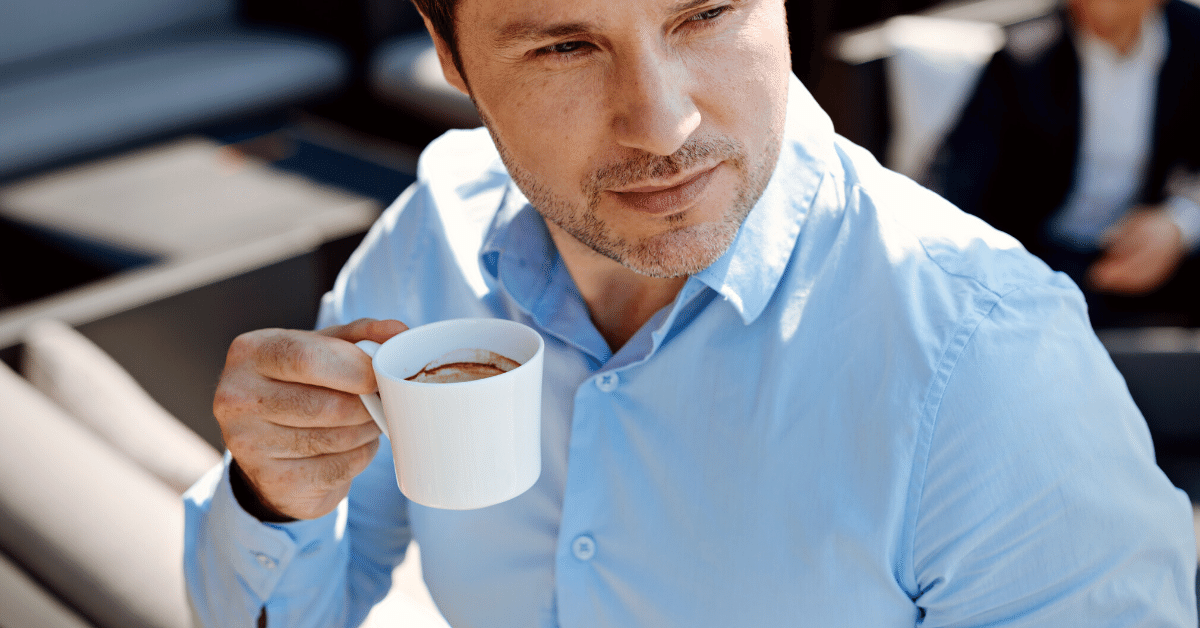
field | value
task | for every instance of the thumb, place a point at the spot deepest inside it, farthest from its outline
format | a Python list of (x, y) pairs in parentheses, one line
[(365, 329), (1103, 273)]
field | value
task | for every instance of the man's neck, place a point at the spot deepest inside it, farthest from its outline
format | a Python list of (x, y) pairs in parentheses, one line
[(1125, 39), (1122, 37), (619, 300)]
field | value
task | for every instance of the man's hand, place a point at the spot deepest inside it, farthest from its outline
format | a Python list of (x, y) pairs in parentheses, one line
[(290, 414), (1142, 252)]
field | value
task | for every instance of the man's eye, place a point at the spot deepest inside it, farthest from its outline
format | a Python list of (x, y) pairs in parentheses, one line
[(710, 14), (566, 47)]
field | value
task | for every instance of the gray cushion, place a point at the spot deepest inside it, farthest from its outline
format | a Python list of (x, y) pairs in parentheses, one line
[(406, 72), (99, 531), (32, 28), (27, 605), (82, 379), (73, 104)]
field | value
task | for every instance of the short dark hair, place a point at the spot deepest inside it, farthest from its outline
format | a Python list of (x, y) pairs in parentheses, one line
[(441, 15)]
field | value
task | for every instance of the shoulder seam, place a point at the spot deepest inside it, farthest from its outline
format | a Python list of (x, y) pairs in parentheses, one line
[(927, 426), (857, 186), (1012, 287)]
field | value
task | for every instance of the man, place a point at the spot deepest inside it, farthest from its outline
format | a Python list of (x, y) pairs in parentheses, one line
[(784, 386), (1082, 140)]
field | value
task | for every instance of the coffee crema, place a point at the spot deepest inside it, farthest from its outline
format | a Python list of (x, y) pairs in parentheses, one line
[(464, 365)]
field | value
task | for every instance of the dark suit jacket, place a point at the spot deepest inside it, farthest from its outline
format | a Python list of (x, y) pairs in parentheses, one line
[(1011, 159)]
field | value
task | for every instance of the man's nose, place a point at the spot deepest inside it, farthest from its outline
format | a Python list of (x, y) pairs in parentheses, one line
[(653, 105)]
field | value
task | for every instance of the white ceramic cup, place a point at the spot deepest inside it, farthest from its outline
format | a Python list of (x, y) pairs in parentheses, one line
[(460, 445)]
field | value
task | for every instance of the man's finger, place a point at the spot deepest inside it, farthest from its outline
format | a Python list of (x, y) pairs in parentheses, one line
[(308, 358), (294, 443), (304, 405), (1135, 274), (268, 441), (365, 329), (1109, 275)]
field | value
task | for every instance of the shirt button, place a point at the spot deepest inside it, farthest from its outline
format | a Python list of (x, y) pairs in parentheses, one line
[(266, 561), (608, 382), (584, 547)]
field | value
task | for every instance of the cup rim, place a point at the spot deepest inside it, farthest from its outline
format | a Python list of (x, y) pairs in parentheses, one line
[(434, 326)]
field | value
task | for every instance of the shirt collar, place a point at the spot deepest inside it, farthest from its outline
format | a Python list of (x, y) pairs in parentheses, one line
[(749, 272), (517, 237), (518, 254), (746, 275)]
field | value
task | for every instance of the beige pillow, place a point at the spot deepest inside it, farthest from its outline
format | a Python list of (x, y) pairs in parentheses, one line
[(86, 382), (84, 520), (27, 605)]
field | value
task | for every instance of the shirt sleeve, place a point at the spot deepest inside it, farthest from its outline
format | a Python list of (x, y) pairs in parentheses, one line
[(323, 572), (1040, 500), (1184, 211), (329, 571)]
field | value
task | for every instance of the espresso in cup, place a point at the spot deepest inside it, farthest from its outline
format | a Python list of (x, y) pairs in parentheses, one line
[(464, 365)]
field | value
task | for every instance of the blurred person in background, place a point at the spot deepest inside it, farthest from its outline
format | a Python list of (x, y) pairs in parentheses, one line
[(1082, 140)]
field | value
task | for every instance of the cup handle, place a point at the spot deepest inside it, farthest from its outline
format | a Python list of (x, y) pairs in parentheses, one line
[(371, 401)]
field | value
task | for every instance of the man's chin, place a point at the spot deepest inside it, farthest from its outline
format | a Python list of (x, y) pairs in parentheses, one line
[(677, 253)]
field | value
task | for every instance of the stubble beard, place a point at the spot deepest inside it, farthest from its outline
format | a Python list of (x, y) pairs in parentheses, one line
[(683, 249)]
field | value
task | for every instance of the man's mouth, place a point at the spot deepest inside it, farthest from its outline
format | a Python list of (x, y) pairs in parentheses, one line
[(665, 198)]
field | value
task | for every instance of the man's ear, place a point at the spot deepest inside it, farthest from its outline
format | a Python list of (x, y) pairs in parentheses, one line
[(446, 59)]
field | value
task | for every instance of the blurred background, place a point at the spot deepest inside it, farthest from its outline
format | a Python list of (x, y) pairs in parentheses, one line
[(176, 172)]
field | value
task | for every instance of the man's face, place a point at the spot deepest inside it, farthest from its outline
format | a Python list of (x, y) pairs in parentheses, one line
[(1110, 19), (645, 129)]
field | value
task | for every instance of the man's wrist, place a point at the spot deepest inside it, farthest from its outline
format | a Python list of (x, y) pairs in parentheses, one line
[(249, 500)]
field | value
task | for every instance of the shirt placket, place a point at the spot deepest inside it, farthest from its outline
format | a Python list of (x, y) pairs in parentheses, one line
[(581, 545)]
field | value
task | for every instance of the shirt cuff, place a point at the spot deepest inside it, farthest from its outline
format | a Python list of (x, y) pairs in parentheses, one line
[(274, 557), (1185, 213)]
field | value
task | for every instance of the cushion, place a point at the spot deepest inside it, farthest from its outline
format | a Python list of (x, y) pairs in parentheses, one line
[(31, 29), (84, 519), (27, 605), (82, 379), (131, 90)]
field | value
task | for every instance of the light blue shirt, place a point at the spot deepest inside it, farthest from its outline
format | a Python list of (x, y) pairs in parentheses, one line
[(872, 411)]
